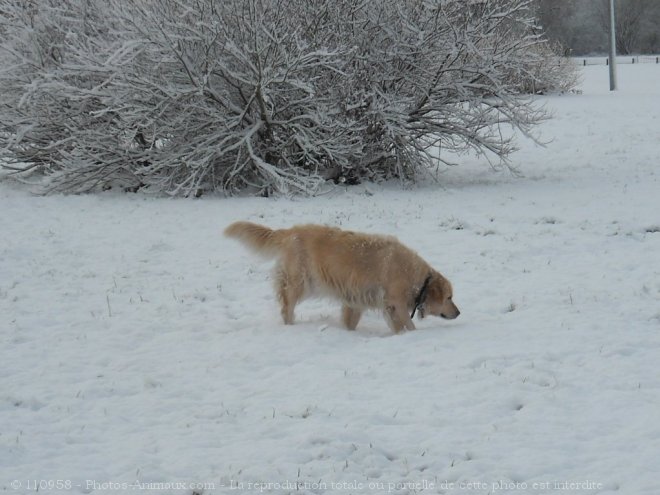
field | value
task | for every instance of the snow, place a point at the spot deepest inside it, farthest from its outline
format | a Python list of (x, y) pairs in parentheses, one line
[(140, 347)]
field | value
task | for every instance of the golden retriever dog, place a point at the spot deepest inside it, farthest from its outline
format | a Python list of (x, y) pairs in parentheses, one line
[(363, 271)]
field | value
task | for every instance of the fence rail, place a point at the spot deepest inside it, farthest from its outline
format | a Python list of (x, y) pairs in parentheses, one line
[(632, 59)]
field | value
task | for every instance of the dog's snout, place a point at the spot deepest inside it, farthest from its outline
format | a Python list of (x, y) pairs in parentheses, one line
[(451, 316)]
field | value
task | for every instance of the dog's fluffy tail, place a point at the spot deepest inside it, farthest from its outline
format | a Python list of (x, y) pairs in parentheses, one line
[(262, 240)]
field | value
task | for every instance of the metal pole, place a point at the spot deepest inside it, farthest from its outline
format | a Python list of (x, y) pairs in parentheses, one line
[(612, 48)]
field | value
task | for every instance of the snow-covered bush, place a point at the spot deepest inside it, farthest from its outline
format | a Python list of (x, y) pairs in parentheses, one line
[(258, 95), (55, 110), (550, 73)]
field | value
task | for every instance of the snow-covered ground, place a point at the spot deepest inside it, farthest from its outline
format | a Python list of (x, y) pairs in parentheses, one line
[(140, 347)]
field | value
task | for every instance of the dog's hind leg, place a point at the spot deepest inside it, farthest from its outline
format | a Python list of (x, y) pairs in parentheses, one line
[(290, 289), (350, 316)]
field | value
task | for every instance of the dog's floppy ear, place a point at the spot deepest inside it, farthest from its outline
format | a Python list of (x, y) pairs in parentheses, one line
[(447, 289), (439, 287)]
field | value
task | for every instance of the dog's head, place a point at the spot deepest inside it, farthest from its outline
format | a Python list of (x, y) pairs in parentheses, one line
[(439, 299)]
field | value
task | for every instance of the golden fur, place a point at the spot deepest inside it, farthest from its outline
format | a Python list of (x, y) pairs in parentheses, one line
[(363, 271)]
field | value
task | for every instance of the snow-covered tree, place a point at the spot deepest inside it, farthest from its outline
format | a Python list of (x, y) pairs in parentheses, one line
[(260, 95), (582, 26), (629, 16)]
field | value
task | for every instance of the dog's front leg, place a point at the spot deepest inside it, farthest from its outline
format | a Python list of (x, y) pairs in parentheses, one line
[(398, 318)]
